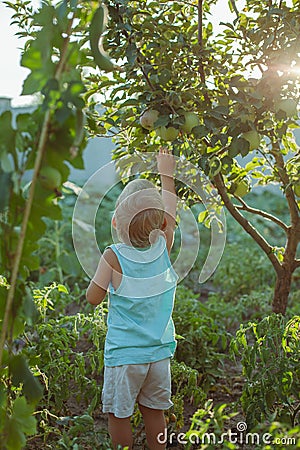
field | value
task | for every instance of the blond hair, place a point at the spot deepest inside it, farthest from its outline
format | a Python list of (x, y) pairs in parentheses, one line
[(139, 211)]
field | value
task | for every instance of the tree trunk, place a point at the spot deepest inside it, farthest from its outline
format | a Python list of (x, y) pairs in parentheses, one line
[(282, 290)]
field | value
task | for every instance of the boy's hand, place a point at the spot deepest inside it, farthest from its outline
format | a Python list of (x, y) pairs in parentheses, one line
[(165, 162)]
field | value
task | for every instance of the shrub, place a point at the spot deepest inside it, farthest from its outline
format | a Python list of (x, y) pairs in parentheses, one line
[(207, 429), (202, 336), (242, 268), (67, 349), (270, 354), (185, 384)]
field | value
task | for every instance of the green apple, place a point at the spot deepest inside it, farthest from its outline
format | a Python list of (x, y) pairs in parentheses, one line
[(191, 120), (297, 189), (167, 133), (253, 138), (288, 105), (148, 118), (242, 188), (50, 178)]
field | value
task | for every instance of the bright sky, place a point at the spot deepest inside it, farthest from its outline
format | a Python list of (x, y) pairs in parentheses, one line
[(12, 74)]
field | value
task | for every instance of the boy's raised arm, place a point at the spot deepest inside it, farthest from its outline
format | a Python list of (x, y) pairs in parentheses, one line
[(166, 167)]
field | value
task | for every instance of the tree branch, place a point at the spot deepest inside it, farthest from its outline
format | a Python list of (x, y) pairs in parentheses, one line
[(289, 193), (297, 263), (200, 42), (277, 25), (248, 227), (138, 58), (144, 72), (200, 39), (259, 212), (234, 7)]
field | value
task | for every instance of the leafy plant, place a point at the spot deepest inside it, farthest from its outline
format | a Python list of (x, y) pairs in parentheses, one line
[(18, 425), (67, 362), (207, 429), (57, 256), (279, 434), (185, 385), (242, 269), (202, 336), (106, 209), (270, 353), (44, 299), (47, 140)]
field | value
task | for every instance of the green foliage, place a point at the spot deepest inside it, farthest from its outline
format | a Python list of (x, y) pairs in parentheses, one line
[(58, 260), (107, 207), (19, 424), (241, 270), (44, 299), (68, 352), (202, 336), (163, 72), (20, 373), (79, 432), (207, 427), (67, 361), (270, 352), (84, 423), (293, 309), (48, 140), (243, 267), (210, 429), (97, 27), (205, 328), (185, 384), (279, 434), (245, 109), (166, 67)]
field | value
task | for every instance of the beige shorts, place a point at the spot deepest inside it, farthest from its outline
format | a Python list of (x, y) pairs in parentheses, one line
[(147, 384)]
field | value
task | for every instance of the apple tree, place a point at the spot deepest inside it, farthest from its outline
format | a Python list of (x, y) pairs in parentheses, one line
[(219, 98)]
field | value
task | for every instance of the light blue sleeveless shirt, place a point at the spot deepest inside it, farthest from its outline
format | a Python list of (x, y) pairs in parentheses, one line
[(140, 326)]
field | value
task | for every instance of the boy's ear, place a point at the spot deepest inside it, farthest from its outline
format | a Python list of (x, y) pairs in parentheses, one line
[(113, 222), (164, 224)]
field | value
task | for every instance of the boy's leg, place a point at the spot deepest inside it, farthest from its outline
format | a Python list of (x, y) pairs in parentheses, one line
[(155, 425), (120, 431), (153, 399), (121, 387)]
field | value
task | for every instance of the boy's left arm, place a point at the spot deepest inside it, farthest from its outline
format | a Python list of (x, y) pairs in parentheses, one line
[(98, 286)]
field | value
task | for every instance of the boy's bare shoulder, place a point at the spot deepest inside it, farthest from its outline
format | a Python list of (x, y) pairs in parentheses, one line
[(111, 258)]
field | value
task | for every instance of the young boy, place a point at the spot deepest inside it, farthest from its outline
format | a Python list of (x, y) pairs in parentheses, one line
[(141, 282)]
